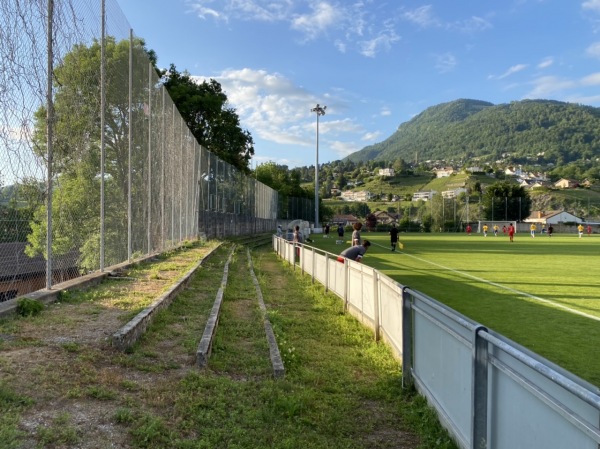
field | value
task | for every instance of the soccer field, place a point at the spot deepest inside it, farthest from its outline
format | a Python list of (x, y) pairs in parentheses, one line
[(543, 293)]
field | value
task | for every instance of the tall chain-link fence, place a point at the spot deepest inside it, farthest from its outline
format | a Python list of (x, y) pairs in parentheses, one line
[(97, 166)]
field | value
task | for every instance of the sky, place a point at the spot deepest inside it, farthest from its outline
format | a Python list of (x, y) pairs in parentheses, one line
[(374, 64)]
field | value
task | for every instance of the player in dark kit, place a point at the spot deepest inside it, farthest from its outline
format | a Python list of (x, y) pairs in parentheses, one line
[(394, 237)]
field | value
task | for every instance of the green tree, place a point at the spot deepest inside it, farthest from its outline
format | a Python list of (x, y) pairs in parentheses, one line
[(505, 200), (399, 166), (286, 183), (341, 180), (279, 178), (204, 108), (371, 221), (77, 137), (76, 148)]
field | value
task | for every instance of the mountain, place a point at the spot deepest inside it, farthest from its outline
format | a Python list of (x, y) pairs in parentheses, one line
[(544, 131)]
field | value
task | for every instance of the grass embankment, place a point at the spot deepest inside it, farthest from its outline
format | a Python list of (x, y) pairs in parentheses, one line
[(541, 292), (63, 386)]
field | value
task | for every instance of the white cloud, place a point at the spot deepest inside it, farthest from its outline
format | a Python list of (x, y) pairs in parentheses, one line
[(384, 41), (591, 80), (343, 149), (371, 137), (582, 99), (471, 25), (322, 17), (260, 10), (512, 70), (422, 16), (425, 18), (548, 86), (445, 63), (593, 50), (346, 25), (547, 62), (204, 12), (273, 108), (593, 5), (385, 111), (340, 45)]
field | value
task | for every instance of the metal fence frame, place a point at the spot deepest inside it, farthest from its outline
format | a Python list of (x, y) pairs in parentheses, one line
[(488, 391), (154, 186)]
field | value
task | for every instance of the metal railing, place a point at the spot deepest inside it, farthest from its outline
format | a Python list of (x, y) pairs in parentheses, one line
[(488, 391)]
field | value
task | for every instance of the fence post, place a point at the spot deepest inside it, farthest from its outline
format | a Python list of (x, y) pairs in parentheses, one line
[(294, 251), (102, 127), (376, 285), (130, 149), (346, 282), (49, 139), (326, 272), (407, 339), (312, 271), (149, 192), (479, 389)]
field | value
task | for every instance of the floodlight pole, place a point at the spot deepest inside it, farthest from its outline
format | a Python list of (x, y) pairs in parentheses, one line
[(319, 110)]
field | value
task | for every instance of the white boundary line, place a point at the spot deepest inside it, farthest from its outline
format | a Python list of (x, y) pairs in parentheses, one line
[(485, 281)]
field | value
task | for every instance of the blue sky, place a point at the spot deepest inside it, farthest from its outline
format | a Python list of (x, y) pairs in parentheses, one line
[(374, 64)]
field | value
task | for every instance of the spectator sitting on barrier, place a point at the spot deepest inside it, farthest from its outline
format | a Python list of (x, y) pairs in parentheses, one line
[(298, 238), (354, 253)]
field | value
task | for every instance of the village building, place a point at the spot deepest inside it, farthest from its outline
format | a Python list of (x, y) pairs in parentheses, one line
[(444, 172), (362, 196), (386, 172), (385, 217), (345, 220), (423, 196), (449, 194), (564, 183), (552, 217)]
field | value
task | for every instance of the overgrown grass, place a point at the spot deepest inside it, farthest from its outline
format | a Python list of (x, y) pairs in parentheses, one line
[(332, 396), (528, 290), (11, 405), (341, 389)]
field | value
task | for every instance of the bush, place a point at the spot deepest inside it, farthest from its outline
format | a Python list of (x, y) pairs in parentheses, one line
[(29, 307), (383, 227)]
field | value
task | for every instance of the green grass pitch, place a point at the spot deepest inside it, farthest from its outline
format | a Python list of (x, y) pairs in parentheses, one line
[(542, 292)]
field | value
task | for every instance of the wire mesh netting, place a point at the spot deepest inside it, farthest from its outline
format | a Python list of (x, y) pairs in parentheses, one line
[(97, 166)]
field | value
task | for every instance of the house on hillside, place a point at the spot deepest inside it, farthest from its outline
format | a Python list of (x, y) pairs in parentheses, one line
[(474, 169), (424, 196), (513, 171), (21, 274), (564, 183), (552, 217), (386, 172), (449, 194), (363, 195), (344, 220), (444, 172), (384, 217)]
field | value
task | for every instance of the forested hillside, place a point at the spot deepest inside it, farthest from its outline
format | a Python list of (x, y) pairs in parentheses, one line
[(531, 131)]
